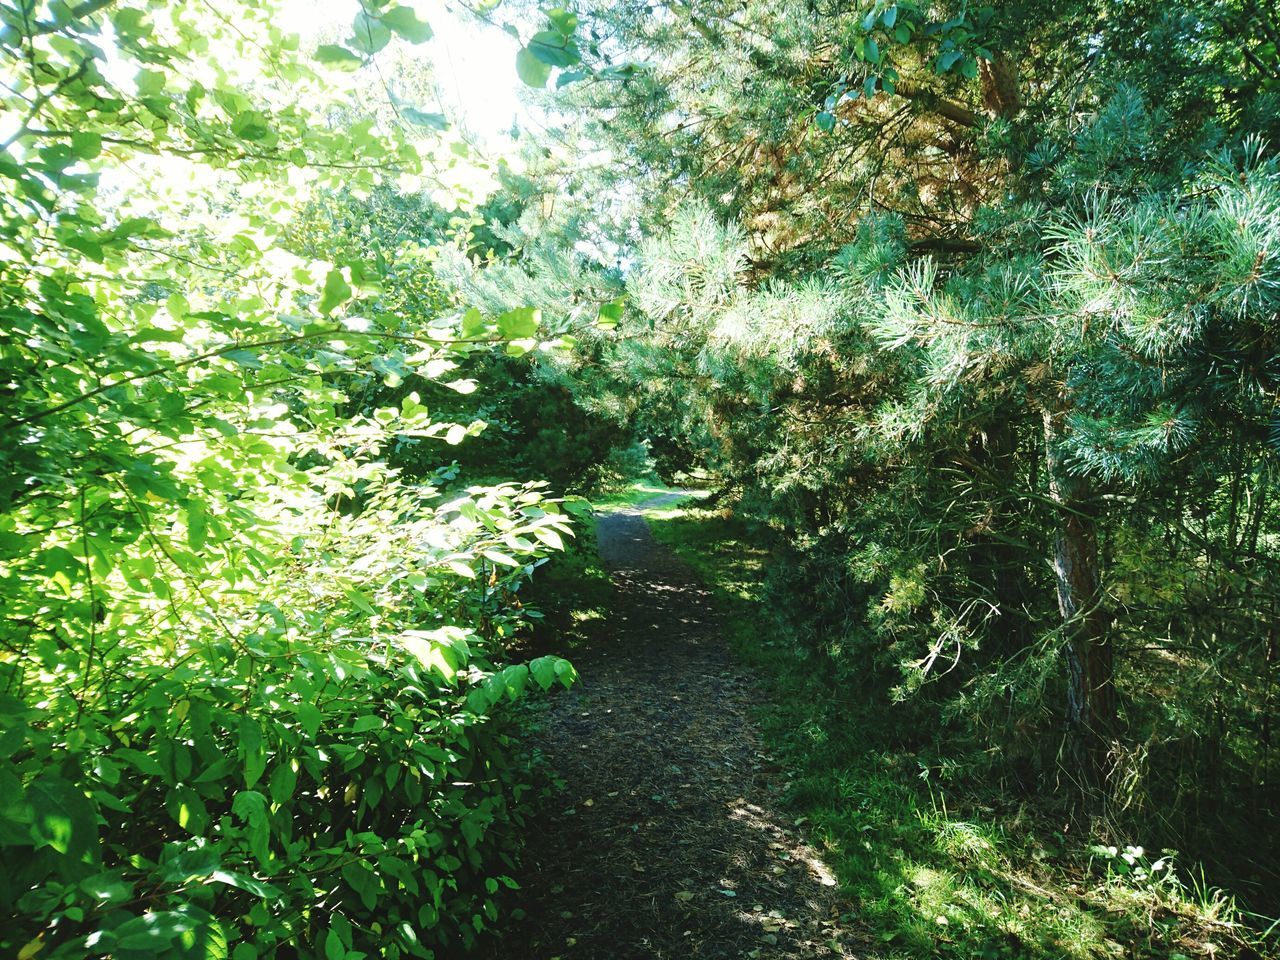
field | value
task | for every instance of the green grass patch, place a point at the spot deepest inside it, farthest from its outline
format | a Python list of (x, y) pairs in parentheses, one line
[(638, 492), (932, 870), (635, 492)]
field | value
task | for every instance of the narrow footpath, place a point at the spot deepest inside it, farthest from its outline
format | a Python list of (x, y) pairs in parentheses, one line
[(667, 839)]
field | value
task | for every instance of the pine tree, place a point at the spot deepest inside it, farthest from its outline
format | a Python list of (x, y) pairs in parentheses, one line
[(1004, 275)]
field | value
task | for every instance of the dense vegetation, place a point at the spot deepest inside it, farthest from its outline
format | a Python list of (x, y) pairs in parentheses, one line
[(255, 690), (973, 310), (968, 313), (935, 863)]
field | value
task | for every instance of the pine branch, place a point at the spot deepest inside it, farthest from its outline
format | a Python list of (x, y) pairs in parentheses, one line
[(940, 105), (945, 245)]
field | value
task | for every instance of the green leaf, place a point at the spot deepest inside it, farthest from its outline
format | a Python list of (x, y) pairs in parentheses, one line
[(550, 538), (404, 21), (251, 809), (197, 524), (544, 671), (428, 650), (826, 121), (565, 21), (336, 291), (252, 750), (434, 121), (150, 82), (184, 933), (529, 68), (610, 314), (514, 679), (365, 724), (86, 144), (334, 949), (565, 672), (360, 601), (243, 358), (478, 701), (61, 816), (947, 59), (369, 34), (473, 324), (189, 865), (244, 882), (107, 889), (519, 323), (310, 717), (553, 49), (338, 56), (87, 244), (282, 782), (142, 762)]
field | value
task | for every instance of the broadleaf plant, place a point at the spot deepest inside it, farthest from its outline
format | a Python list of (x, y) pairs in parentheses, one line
[(253, 694)]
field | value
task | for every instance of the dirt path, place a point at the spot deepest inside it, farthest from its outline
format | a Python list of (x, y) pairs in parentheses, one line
[(667, 840)]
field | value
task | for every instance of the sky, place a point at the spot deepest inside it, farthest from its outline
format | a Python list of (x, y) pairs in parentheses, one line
[(474, 62)]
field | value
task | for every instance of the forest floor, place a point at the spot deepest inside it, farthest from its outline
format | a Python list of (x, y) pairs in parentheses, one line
[(668, 839), (722, 792)]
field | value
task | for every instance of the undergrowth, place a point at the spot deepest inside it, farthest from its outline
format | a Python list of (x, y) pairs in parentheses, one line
[(930, 867)]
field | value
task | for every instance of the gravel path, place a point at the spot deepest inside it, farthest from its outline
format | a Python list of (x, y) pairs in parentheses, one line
[(667, 840)]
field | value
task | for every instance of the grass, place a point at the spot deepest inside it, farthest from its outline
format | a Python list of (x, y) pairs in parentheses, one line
[(630, 495), (931, 871)]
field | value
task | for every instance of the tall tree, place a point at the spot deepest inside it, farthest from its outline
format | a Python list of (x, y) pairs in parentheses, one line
[(985, 253)]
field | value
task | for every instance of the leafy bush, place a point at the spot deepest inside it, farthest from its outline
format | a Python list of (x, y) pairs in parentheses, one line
[(336, 778), (253, 700), (623, 465)]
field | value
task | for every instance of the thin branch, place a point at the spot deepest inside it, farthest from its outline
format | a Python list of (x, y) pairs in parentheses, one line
[(940, 105), (93, 600), (945, 245), (227, 152), (332, 332), (38, 104)]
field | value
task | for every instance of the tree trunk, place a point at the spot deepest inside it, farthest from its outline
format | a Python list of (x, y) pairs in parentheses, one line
[(1090, 658), (993, 551)]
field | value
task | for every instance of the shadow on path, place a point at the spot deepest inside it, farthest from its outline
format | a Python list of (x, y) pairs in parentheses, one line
[(667, 840)]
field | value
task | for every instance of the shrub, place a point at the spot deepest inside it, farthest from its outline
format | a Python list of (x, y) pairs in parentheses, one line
[(337, 778)]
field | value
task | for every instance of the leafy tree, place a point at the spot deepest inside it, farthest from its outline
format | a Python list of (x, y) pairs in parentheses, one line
[(239, 719)]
